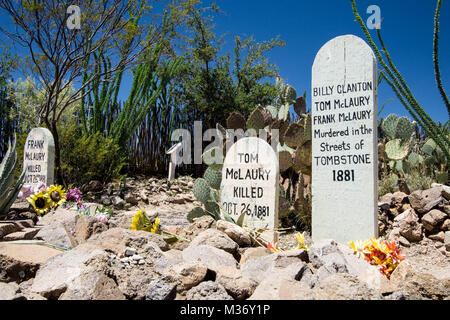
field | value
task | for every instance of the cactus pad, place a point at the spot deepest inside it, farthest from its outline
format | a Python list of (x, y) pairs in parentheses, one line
[(213, 177), (397, 149), (389, 126), (256, 120), (300, 106), (289, 94), (283, 112), (213, 157), (294, 135), (285, 160), (298, 165), (213, 209), (195, 213), (202, 190), (235, 121), (404, 128)]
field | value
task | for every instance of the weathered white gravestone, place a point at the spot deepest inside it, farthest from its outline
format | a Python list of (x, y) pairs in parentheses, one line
[(250, 183), (344, 141), (39, 157)]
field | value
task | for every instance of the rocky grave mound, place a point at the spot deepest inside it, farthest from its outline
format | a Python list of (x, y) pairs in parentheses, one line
[(79, 257)]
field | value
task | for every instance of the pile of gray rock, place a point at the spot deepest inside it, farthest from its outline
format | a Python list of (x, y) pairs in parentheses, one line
[(139, 191), (66, 256), (424, 214), (219, 262)]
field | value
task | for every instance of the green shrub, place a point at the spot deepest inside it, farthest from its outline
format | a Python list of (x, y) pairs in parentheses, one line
[(89, 157), (387, 184)]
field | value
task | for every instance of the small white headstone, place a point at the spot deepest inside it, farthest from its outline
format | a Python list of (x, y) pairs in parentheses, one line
[(174, 159), (39, 157), (344, 142), (250, 183)]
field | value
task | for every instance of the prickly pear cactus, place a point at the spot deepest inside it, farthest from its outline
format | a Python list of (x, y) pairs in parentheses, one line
[(213, 177), (256, 120), (213, 157), (389, 126), (397, 149), (202, 190), (197, 212), (404, 129), (235, 121)]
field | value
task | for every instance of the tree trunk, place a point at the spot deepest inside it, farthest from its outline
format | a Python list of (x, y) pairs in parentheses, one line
[(58, 169)]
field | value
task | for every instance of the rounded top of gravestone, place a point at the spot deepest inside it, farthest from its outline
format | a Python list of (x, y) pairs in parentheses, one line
[(250, 183), (350, 42), (252, 144), (43, 133)]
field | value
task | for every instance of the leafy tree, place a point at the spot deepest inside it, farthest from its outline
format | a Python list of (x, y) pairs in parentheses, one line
[(27, 97), (7, 125), (210, 85), (59, 56)]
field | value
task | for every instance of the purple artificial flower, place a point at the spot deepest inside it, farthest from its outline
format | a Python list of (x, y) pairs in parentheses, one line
[(74, 195), (41, 187), (26, 191)]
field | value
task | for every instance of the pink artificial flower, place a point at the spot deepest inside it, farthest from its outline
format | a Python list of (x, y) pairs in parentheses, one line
[(101, 216)]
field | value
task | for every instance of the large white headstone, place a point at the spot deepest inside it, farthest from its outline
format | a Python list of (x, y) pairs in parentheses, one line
[(39, 157), (250, 183), (344, 141)]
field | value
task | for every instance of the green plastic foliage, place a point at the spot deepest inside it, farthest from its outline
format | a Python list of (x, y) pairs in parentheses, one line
[(397, 149), (202, 190)]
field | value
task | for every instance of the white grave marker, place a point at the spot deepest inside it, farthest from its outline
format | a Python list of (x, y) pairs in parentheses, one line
[(39, 157), (250, 183), (174, 159), (344, 141)]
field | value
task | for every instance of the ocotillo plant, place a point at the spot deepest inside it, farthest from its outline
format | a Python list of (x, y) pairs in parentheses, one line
[(402, 90)]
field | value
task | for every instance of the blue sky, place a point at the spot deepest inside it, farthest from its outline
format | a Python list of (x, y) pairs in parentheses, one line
[(407, 29), (305, 26)]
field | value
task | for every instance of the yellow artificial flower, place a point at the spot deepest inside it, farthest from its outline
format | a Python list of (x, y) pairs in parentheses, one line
[(141, 221), (359, 247), (301, 241), (57, 195), (155, 226), (136, 222), (40, 202)]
